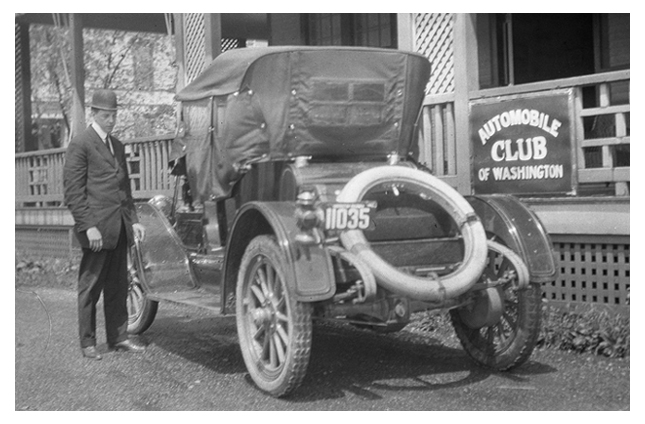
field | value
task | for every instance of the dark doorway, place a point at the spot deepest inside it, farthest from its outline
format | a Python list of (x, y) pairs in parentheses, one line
[(551, 46), (523, 48), (350, 29)]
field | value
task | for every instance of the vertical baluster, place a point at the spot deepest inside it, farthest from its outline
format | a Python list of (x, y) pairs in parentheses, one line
[(25, 177), (164, 165), (422, 138), (19, 179), (621, 187), (145, 167), (156, 158), (59, 174), (47, 174), (427, 138), (53, 176), (437, 112), (31, 177), (451, 148), (152, 165), (129, 156), (607, 159), (579, 128), (137, 154)]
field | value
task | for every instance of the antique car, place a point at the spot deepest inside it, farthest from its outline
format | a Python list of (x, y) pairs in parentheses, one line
[(299, 197)]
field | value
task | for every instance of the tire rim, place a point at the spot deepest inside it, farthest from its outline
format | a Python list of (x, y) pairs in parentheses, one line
[(136, 296), (503, 264), (267, 316)]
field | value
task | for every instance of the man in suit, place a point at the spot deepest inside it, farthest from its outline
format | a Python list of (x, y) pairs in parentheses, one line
[(98, 194)]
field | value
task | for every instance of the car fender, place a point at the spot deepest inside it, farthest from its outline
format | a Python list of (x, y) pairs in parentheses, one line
[(167, 267), (310, 269), (508, 219)]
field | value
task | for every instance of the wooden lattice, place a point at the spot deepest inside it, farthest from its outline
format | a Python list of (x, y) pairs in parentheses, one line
[(20, 136), (230, 44), (591, 271), (194, 45), (434, 38)]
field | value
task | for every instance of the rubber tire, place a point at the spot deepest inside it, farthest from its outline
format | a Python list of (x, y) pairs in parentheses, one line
[(484, 345), (286, 323), (436, 290), (141, 310)]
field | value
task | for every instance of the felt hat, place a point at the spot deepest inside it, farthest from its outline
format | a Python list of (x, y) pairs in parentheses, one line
[(104, 99)]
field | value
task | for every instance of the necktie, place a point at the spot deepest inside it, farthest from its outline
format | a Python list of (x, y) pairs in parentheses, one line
[(108, 142)]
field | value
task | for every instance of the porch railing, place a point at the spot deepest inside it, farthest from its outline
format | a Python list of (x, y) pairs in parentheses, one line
[(39, 175), (601, 136), (601, 128)]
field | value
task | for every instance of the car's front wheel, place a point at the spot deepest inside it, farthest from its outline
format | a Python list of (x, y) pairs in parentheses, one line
[(141, 310), (274, 329)]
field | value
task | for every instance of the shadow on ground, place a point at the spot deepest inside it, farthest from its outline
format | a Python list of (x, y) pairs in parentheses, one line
[(343, 358)]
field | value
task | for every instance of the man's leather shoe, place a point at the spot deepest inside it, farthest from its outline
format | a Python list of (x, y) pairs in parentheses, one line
[(129, 345), (91, 353)]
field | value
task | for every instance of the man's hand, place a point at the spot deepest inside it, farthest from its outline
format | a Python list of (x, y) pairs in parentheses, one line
[(95, 239), (139, 231)]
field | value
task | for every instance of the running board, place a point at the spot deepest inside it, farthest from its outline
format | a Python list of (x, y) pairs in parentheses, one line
[(197, 297)]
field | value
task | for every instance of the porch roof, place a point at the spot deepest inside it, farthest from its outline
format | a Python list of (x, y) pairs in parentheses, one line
[(234, 25)]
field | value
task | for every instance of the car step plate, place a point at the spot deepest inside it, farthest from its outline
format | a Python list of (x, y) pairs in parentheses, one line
[(199, 298)]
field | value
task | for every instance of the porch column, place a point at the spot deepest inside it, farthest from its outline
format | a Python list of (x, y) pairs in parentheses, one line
[(212, 36), (466, 80), (25, 142), (77, 73), (178, 26), (404, 32)]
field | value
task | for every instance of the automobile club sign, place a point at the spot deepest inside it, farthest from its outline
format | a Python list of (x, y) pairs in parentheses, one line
[(522, 145)]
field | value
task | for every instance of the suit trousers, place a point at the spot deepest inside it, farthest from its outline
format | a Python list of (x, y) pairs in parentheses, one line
[(104, 271)]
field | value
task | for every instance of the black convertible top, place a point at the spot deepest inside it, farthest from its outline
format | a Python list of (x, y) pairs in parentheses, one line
[(226, 72), (274, 103)]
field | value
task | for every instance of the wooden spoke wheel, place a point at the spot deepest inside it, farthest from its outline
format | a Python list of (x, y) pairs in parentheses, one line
[(274, 329), (141, 310), (509, 341)]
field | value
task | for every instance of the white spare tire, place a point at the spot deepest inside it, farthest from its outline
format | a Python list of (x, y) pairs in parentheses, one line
[(427, 289)]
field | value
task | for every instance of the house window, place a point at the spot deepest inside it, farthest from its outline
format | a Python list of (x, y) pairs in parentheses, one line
[(523, 48), (324, 29), (373, 29), (351, 29)]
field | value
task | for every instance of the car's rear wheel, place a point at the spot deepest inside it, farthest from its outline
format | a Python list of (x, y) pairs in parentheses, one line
[(141, 310), (508, 342), (274, 329)]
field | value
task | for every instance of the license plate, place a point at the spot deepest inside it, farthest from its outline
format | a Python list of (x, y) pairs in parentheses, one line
[(349, 216)]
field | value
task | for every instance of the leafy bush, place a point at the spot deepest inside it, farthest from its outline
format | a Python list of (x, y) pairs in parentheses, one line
[(597, 332), (45, 272)]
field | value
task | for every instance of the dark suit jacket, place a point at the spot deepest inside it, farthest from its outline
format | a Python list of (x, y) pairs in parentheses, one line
[(97, 188)]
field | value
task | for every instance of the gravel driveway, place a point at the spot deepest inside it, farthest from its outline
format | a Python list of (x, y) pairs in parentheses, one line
[(193, 363)]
